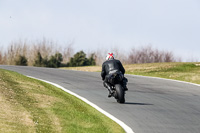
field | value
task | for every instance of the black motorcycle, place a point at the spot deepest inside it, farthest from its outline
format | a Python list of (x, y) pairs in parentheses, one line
[(114, 86)]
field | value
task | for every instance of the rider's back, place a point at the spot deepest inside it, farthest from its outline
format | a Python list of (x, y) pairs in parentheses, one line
[(112, 65), (113, 70)]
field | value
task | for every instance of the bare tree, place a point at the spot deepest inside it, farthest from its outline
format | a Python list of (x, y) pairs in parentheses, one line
[(101, 56), (44, 46), (1, 58), (168, 57), (120, 55), (47, 48), (14, 50), (148, 54), (68, 53)]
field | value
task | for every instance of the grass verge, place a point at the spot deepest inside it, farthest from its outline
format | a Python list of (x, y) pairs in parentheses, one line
[(28, 105), (189, 72)]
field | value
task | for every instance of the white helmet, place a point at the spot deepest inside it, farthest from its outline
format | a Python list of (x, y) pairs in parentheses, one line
[(110, 56)]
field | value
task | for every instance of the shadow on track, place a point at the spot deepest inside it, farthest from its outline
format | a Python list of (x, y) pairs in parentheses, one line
[(137, 103)]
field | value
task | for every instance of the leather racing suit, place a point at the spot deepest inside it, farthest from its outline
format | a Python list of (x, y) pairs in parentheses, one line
[(112, 66)]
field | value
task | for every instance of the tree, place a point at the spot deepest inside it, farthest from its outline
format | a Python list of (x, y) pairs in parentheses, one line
[(92, 59), (38, 60), (1, 57), (79, 59), (55, 61), (22, 61)]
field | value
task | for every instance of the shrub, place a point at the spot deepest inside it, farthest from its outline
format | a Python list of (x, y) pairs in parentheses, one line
[(92, 59), (39, 60), (22, 61), (55, 61), (80, 59)]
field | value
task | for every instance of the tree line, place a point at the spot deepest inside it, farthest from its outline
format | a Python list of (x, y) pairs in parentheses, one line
[(56, 60), (47, 53), (79, 59)]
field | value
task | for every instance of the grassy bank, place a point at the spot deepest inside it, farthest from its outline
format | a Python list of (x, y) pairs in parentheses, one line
[(189, 72), (28, 105)]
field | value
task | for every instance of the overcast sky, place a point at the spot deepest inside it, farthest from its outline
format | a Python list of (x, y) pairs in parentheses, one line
[(172, 25)]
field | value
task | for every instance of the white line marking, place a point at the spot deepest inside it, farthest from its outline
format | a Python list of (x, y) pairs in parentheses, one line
[(122, 124)]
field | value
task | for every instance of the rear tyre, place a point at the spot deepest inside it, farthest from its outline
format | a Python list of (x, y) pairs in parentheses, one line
[(119, 93)]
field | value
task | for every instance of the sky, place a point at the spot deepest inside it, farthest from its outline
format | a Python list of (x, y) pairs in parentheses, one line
[(171, 25)]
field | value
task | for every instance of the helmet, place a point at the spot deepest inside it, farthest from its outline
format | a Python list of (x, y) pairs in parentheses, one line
[(110, 56)]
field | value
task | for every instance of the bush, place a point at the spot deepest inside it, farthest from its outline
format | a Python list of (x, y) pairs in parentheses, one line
[(39, 60), (80, 59), (22, 61), (92, 59), (55, 61)]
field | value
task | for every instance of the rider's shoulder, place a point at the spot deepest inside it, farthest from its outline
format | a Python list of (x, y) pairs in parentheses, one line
[(117, 60), (112, 60), (105, 62)]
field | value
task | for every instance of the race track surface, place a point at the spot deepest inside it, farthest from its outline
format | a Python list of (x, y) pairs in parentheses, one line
[(152, 105)]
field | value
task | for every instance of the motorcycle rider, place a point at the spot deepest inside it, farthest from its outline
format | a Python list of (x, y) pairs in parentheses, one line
[(112, 66)]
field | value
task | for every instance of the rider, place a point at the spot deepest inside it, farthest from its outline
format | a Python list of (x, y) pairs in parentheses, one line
[(109, 67)]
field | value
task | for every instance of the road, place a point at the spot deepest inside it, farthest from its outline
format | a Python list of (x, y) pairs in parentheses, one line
[(152, 105)]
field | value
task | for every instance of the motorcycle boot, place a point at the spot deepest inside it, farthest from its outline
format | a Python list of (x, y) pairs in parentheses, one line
[(106, 85), (125, 88), (109, 95), (124, 84)]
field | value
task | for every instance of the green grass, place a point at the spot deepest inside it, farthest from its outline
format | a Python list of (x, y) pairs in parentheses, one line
[(28, 105), (182, 68), (189, 72)]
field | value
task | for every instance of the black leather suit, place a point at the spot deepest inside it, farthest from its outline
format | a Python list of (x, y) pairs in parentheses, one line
[(111, 66)]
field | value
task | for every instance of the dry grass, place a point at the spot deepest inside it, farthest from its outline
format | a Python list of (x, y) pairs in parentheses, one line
[(128, 68), (12, 114), (87, 68)]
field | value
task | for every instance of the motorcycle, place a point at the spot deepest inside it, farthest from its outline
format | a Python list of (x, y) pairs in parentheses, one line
[(114, 86)]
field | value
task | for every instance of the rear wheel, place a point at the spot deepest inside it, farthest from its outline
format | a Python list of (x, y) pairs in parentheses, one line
[(119, 93)]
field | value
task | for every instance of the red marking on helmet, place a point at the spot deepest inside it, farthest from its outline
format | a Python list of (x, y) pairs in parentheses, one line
[(110, 55)]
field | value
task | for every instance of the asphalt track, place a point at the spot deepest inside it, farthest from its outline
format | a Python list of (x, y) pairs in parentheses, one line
[(152, 105)]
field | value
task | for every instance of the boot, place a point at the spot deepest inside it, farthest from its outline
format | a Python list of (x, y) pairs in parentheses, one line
[(124, 83), (109, 89), (125, 88), (109, 95)]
